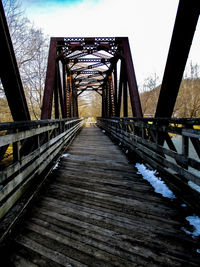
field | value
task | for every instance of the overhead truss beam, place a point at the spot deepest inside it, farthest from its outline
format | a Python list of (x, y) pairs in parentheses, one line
[(90, 64)]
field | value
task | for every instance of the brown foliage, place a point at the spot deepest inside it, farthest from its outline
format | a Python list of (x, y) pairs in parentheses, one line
[(187, 103)]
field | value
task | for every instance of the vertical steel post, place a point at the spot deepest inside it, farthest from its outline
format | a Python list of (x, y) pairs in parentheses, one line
[(103, 102), (50, 82), (111, 95), (184, 28), (60, 90), (56, 102), (120, 89), (107, 100), (115, 88), (125, 98), (69, 96), (132, 83), (72, 101), (77, 113), (64, 90), (75, 101)]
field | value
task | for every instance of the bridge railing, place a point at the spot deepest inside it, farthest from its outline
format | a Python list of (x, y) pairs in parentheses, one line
[(34, 146), (172, 145)]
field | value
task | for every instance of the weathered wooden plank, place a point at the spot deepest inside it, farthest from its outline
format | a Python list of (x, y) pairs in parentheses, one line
[(111, 206), (135, 216), (11, 138), (109, 169), (131, 202), (22, 262), (46, 252), (150, 153), (141, 241), (23, 124), (102, 237), (98, 211), (5, 174), (101, 251), (42, 162), (81, 210), (113, 189)]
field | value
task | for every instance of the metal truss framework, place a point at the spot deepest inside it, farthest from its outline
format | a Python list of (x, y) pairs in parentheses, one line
[(81, 64), (91, 64), (76, 65)]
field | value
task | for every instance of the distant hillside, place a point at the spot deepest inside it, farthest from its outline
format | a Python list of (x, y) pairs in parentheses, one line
[(187, 103)]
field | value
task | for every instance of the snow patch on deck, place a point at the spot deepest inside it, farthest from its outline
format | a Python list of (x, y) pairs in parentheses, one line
[(158, 184), (195, 222), (56, 165), (66, 155)]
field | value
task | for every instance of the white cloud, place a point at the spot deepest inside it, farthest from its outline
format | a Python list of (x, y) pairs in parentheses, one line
[(148, 24)]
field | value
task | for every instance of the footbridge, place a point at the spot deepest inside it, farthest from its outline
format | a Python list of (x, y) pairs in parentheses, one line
[(121, 191)]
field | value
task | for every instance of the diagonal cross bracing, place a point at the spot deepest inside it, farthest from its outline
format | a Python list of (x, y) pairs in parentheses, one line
[(88, 62)]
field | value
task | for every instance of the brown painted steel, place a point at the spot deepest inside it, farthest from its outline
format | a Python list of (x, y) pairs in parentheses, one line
[(60, 90), (132, 83), (88, 73), (184, 29), (9, 74), (50, 82), (120, 89), (115, 88), (125, 97)]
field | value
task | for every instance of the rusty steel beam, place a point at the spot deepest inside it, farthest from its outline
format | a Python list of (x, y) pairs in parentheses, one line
[(107, 100), (60, 91), (88, 60), (56, 104), (9, 74), (68, 93), (115, 88), (131, 78), (50, 82), (64, 90), (184, 29), (71, 51), (92, 72), (103, 103), (119, 98), (74, 101), (125, 97)]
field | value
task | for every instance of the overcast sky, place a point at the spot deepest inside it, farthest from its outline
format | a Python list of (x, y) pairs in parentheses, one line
[(147, 23)]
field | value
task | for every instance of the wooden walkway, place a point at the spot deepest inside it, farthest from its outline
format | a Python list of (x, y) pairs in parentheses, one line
[(97, 211)]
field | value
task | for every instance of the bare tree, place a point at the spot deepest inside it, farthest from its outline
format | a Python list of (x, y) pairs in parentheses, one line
[(33, 76), (188, 100), (31, 48), (149, 94)]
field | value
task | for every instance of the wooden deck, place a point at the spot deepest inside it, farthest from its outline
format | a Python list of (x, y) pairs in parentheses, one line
[(97, 211)]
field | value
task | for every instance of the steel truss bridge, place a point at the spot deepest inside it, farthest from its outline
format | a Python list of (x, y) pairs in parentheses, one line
[(69, 196)]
